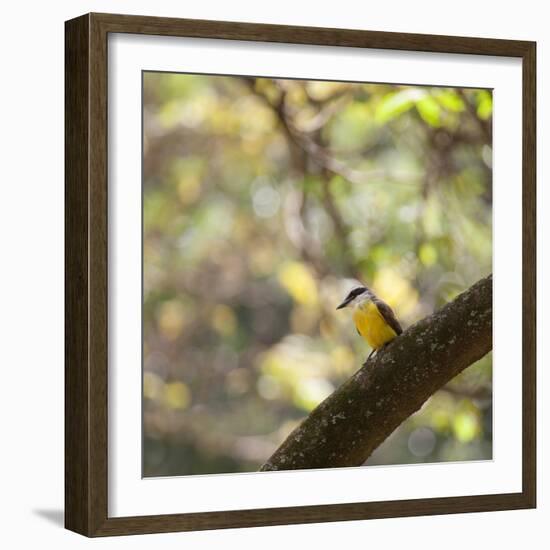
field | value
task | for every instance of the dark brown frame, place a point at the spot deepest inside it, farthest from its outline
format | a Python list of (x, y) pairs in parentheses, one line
[(86, 284)]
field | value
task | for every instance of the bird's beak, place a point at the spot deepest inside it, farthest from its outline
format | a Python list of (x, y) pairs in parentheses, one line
[(344, 303)]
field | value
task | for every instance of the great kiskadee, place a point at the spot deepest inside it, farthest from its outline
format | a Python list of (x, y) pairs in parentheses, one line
[(374, 320)]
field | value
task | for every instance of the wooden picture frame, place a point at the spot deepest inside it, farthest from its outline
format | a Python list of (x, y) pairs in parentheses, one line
[(86, 283)]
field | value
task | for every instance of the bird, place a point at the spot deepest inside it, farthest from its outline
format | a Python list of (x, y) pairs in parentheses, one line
[(374, 320)]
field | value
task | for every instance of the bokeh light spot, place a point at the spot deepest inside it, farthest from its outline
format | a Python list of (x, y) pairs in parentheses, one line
[(177, 395)]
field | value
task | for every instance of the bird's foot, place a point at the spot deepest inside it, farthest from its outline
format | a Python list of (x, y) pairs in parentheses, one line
[(370, 355)]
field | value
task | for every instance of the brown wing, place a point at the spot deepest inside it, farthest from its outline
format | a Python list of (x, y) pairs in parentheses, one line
[(388, 314)]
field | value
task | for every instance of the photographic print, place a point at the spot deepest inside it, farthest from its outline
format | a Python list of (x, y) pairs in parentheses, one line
[(292, 231)]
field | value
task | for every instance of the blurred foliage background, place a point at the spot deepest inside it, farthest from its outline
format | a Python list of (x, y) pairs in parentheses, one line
[(264, 201)]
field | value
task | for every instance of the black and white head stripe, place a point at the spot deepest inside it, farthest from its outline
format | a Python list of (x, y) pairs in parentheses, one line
[(352, 294)]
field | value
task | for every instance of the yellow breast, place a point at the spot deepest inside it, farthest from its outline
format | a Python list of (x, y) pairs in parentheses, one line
[(371, 325)]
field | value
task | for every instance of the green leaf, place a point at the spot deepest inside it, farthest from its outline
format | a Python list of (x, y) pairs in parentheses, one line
[(484, 104), (428, 108), (395, 104), (450, 100)]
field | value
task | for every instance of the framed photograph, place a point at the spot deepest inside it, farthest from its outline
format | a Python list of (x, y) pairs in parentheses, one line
[(300, 274)]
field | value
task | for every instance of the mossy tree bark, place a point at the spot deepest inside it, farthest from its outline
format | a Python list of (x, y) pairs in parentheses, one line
[(350, 424)]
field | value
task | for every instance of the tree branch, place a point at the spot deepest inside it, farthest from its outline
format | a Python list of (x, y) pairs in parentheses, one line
[(350, 424)]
